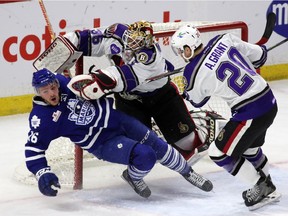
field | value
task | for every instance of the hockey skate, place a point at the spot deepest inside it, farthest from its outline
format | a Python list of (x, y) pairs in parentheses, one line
[(198, 181), (139, 187), (263, 193)]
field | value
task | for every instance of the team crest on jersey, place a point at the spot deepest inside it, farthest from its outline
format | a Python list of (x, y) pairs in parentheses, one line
[(35, 121), (183, 127), (82, 111), (142, 57), (221, 135)]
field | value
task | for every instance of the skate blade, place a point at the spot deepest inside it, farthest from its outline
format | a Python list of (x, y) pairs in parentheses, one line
[(271, 198)]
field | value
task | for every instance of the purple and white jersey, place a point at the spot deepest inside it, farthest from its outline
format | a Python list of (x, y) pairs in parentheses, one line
[(225, 68), (99, 41), (145, 63), (131, 76)]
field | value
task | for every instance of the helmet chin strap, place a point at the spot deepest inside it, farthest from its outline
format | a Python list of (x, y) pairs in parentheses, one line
[(186, 59)]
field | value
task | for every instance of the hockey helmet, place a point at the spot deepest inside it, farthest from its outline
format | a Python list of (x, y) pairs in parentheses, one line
[(42, 78), (138, 35), (186, 35)]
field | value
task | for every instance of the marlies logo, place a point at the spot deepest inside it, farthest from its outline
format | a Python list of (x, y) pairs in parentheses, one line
[(35, 122), (82, 113)]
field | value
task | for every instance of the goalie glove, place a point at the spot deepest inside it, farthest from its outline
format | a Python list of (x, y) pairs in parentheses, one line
[(92, 86), (86, 86), (46, 179)]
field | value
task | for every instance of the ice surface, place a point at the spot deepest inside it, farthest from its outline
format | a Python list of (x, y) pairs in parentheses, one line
[(105, 193)]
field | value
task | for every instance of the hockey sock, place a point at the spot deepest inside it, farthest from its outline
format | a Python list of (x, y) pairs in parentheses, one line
[(175, 161)]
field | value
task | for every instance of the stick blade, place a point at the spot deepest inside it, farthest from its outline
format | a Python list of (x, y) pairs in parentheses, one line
[(270, 24)]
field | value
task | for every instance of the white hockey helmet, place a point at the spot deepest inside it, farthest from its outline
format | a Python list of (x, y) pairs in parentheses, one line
[(186, 35)]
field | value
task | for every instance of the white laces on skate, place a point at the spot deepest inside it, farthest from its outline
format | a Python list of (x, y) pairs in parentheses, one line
[(141, 185), (253, 193), (197, 179)]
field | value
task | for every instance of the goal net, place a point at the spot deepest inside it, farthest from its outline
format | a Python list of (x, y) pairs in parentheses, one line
[(68, 161)]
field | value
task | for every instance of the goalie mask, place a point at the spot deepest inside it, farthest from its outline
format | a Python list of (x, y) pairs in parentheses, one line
[(138, 35), (186, 36), (43, 78)]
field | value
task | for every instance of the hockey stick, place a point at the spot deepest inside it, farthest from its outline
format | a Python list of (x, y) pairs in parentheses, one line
[(278, 44), (49, 26), (160, 76), (270, 24)]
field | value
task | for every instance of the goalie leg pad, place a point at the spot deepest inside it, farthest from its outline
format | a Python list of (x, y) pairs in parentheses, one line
[(208, 125)]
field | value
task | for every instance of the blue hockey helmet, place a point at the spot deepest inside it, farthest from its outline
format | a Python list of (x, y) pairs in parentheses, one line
[(42, 78)]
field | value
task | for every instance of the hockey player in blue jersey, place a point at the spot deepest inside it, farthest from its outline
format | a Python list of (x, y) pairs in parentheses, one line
[(96, 127), (225, 67)]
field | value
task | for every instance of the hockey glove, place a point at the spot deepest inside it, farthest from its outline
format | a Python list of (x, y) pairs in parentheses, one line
[(85, 86), (47, 179), (92, 86)]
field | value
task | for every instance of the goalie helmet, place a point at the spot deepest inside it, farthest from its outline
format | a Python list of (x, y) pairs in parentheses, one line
[(42, 78), (187, 35), (138, 35)]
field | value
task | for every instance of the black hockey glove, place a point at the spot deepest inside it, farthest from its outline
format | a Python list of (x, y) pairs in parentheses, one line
[(47, 179)]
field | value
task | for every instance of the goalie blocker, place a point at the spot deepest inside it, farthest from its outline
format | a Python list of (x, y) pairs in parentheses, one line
[(59, 57)]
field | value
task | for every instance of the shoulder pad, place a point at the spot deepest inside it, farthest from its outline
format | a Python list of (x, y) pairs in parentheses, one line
[(116, 30)]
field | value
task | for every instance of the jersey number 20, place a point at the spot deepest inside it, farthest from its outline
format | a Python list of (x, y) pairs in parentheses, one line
[(239, 79)]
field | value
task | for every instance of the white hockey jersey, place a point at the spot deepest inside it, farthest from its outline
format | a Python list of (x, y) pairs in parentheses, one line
[(226, 68), (131, 76)]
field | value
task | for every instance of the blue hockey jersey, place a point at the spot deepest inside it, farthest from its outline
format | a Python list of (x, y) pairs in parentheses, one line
[(84, 122)]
